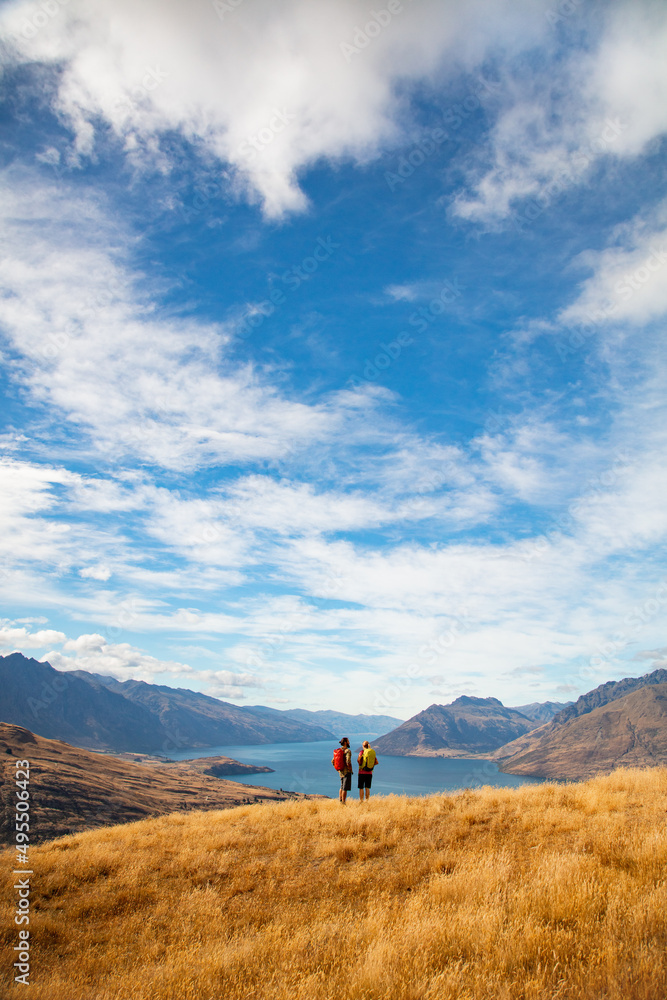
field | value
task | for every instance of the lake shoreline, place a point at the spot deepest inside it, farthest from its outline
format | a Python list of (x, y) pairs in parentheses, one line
[(306, 768)]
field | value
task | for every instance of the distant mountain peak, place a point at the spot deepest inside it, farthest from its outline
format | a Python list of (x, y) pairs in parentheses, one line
[(468, 725), (471, 699)]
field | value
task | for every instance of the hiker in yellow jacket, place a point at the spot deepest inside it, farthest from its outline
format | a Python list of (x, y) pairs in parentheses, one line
[(367, 760)]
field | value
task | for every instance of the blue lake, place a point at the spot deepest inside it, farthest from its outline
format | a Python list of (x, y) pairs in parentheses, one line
[(306, 767)]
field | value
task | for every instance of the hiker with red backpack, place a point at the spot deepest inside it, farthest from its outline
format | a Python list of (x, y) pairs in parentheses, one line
[(342, 761), (366, 760)]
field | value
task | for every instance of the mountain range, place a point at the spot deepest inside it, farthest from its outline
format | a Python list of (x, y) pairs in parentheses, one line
[(468, 726), (98, 712), (542, 711), (372, 725), (620, 723)]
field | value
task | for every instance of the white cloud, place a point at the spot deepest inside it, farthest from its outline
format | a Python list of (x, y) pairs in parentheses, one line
[(27, 498), (629, 74), (401, 293), (629, 278), (268, 90), (94, 653), (18, 639), (171, 395), (46, 533), (609, 101), (98, 572)]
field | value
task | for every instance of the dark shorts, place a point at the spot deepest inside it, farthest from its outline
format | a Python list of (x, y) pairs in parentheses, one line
[(365, 780), (346, 782)]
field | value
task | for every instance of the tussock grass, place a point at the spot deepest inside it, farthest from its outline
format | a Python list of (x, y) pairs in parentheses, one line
[(538, 892)]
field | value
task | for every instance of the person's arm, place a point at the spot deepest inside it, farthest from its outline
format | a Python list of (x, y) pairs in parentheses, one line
[(348, 758)]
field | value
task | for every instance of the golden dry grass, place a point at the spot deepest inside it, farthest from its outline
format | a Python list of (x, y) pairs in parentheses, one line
[(542, 891)]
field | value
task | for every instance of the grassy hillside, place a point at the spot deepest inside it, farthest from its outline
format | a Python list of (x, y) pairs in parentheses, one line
[(72, 790), (538, 892)]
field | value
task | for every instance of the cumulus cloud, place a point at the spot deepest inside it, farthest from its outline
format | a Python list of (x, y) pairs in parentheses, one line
[(261, 94), (98, 572), (265, 90), (18, 639), (628, 281), (554, 128), (95, 654)]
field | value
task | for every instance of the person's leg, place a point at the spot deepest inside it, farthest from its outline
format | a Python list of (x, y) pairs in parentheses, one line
[(368, 793)]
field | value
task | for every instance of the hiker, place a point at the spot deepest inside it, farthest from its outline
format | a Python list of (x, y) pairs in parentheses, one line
[(342, 761), (366, 760)]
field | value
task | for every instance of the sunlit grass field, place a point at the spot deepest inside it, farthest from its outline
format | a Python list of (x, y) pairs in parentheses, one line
[(541, 891)]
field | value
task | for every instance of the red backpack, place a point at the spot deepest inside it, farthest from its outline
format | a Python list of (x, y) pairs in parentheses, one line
[(339, 759)]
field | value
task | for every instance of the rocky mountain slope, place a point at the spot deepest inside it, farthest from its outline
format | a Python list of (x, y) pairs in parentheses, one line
[(73, 789), (194, 719), (607, 692), (100, 713), (542, 711), (628, 731), (467, 726)]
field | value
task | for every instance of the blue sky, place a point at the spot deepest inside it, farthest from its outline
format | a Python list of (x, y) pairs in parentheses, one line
[(332, 339)]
